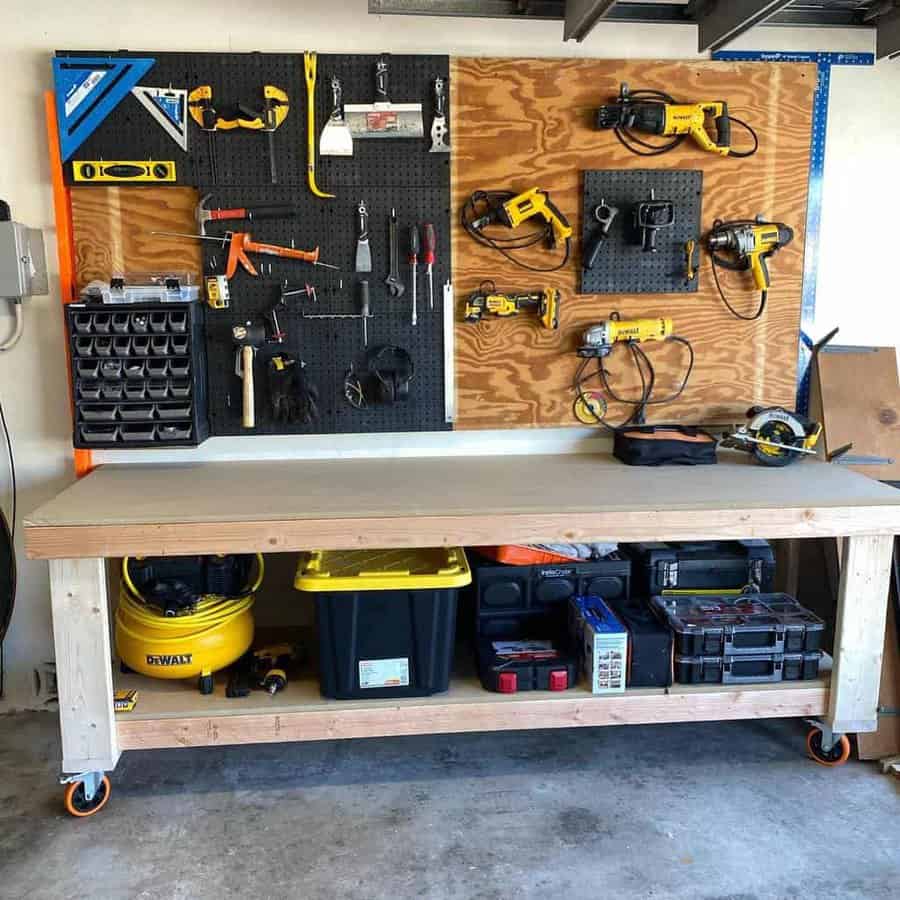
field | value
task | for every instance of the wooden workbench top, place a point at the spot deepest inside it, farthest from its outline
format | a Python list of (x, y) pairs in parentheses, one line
[(279, 506)]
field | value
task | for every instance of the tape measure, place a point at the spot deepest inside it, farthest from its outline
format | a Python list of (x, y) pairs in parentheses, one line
[(123, 170), (217, 293)]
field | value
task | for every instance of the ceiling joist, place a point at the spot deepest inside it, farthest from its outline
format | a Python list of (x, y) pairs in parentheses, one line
[(582, 16), (724, 21), (719, 21)]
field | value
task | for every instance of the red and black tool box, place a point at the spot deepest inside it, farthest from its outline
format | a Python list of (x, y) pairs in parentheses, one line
[(696, 566), (529, 602), (510, 600), (508, 667)]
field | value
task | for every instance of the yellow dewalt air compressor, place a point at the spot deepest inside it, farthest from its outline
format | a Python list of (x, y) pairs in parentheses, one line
[(170, 625)]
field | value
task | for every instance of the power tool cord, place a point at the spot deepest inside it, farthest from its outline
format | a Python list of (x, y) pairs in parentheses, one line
[(716, 261), (630, 140), (648, 382), (487, 200), (12, 473), (8, 535)]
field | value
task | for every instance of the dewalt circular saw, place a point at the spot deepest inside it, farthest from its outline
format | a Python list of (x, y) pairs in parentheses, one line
[(775, 436)]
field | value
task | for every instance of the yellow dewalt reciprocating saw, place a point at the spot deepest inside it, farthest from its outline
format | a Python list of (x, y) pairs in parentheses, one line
[(655, 112)]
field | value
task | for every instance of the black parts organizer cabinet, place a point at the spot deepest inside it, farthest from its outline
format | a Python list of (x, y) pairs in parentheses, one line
[(138, 374)]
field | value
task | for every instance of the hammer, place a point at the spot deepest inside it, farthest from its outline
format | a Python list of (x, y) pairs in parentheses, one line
[(248, 339), (248, 213)]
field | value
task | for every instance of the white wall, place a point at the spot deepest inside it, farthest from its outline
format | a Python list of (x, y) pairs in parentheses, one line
[(861, 181)]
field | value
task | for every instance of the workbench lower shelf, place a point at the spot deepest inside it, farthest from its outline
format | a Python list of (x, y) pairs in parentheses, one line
[(170, 714)]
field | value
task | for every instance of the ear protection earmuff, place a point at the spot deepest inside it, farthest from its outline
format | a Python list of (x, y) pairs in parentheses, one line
[(393, 370), (389, 370)]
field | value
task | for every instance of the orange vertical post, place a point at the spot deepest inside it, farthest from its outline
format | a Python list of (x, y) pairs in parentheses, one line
[(65, 244)]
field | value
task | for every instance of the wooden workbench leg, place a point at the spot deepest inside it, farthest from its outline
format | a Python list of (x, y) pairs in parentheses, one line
[(83, 664), (859, 633)]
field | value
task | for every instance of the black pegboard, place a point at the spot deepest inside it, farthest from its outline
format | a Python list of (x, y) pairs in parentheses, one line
[(389, 173), (622, 267)]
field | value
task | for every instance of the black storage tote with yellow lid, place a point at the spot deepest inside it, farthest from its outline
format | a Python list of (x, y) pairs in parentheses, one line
[(386, 619)]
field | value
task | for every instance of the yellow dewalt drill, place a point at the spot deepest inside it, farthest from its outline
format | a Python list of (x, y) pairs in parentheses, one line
[(655, 112), (486, 208), (752, 242), (487, 301), (535, 202)]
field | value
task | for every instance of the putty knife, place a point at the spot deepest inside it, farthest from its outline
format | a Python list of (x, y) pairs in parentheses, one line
[(336, 139), (383, 119)]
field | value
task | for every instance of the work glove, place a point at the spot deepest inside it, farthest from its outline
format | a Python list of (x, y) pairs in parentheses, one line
[(293, 400)]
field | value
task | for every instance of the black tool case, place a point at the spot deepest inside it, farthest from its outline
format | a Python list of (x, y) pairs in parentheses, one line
[(509, 673), (511, 601), (138, 374), (531, 602), (734, 626), (649, 643), (755, 668), (690, 567)]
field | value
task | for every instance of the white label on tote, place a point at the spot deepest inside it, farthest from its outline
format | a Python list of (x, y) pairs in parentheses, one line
[(381, 673)]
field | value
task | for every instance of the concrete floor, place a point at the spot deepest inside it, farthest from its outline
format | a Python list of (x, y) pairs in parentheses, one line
[(731, 810)]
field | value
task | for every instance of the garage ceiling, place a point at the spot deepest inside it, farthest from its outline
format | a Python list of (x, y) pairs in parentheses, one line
[(718, 22)]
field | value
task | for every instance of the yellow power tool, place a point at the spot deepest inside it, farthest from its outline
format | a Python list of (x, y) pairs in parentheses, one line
[(487, 301), (534, 202), (485, 208), (776, 436), (752, 243), (599, 339), (749, 243), (655, 112)]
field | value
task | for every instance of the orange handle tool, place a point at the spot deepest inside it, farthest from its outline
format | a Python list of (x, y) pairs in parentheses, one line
[(242, 243), (310, 256)]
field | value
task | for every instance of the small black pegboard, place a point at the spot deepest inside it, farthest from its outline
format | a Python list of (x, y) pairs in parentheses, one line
[(387, 173), (622, 266)]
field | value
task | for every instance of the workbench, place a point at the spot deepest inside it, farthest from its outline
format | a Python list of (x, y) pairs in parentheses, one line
[(289, 506)]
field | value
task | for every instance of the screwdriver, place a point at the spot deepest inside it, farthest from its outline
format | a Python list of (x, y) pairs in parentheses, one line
[(413, 262), (364, 310), (429, 242)]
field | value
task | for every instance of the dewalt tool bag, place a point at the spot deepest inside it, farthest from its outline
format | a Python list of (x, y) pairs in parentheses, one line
[(664, 445)]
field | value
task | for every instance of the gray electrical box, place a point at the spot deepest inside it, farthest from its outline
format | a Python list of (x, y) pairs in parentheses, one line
[(23, 263)]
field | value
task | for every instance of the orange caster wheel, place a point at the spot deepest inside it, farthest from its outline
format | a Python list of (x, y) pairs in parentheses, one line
[(76, 798), (836, 756)]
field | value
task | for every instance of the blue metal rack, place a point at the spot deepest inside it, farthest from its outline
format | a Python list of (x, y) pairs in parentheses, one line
[(824, 62)]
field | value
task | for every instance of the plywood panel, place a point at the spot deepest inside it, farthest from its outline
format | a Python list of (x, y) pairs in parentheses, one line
[(886, 740), (858, 394), (171, 714), (113, 225), (519, 123), (285, 505)]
